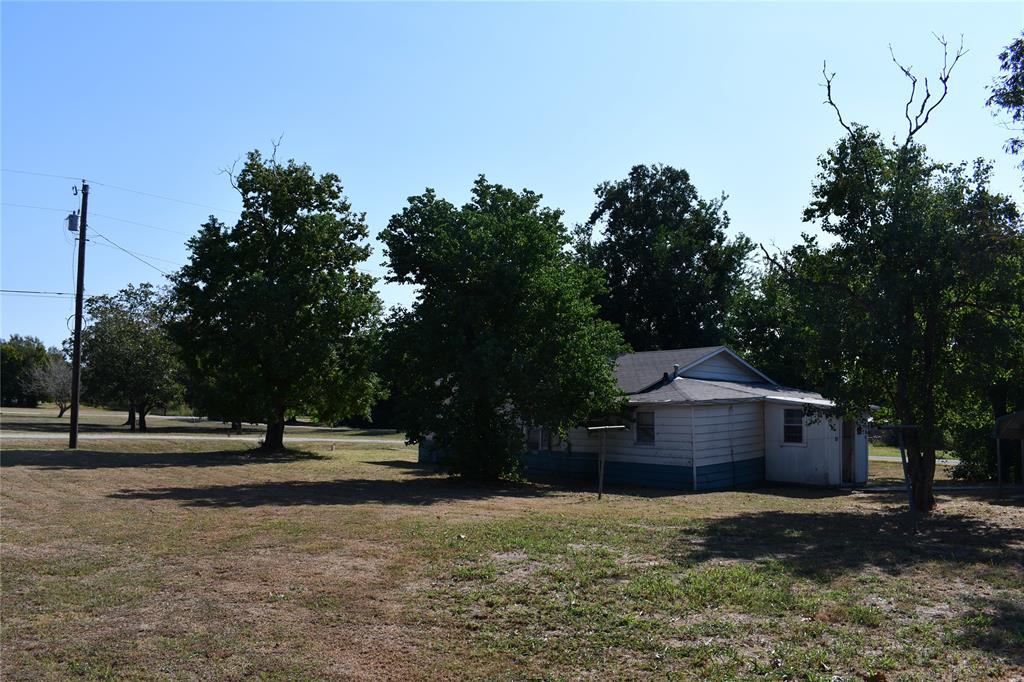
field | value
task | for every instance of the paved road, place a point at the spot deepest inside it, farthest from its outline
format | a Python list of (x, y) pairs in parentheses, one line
[(247, 438)]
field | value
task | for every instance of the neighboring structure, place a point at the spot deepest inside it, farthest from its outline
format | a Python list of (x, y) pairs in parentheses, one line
[(704, 419)]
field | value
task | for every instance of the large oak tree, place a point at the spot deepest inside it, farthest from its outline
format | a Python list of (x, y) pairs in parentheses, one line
[(503, 332), (920, 249), (1007, 94), (127, 355), (273, 314), (670, 268)]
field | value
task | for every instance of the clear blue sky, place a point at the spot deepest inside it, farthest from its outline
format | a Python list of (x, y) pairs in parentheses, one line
[(399, 97)]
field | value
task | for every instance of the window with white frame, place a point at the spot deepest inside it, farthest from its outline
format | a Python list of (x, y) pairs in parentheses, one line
[(793, 426), (644, 427)]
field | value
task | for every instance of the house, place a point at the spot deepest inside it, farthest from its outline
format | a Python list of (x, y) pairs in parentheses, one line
[(705, 419)]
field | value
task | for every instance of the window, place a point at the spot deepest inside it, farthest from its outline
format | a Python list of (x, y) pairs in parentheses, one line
[(793, 426), (644, 427)]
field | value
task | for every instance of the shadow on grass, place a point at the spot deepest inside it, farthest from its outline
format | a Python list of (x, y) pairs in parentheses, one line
[(410, 492), (406, 465), (823, 545), (160, 428), (92, 459), (997, 626)]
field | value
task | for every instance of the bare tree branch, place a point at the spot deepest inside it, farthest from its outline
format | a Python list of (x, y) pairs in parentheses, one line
[(232, 175), (275, 144), (913, 86), (829, 101), (920, 119)]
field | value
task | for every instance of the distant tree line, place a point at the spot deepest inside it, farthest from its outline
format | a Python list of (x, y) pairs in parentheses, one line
[(912, 309), (31, 373)]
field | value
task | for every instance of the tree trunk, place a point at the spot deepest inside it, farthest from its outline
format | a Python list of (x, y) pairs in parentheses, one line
[(920, 455), (142, 418), (131, 417), (274, 439), (63, 408), (923, 482), (236, 427), (999, 396)]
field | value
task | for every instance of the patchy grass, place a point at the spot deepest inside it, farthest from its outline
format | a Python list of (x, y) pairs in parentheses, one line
[(192, 559), (893, 451), (891, 473)]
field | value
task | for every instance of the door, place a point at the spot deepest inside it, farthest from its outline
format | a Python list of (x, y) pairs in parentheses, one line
[(849, 432)]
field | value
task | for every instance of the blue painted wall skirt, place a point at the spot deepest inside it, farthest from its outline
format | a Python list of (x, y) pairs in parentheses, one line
[(583, 465)]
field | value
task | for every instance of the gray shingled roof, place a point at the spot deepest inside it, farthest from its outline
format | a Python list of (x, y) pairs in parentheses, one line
[(687, 390), (637, 371)]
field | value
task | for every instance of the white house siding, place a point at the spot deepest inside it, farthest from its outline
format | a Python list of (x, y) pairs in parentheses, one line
[(671, 440), (728, 433), (722, 367), (728, 440), (729, 445), (818, 461)]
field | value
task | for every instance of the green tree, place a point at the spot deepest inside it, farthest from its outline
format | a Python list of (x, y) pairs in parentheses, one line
[(986, 380), (504, 331), (671, 272), (918, 246), (273, 315), (1008, 93), (51, 380), (768, 324), (18, 356), (127, 354)]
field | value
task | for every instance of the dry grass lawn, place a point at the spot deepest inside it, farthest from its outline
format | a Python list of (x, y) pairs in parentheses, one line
[(196, 560), (96, 421)]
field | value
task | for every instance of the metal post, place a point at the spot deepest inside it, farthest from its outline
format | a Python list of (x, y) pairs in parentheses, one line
[(600, 465), (76, 356)]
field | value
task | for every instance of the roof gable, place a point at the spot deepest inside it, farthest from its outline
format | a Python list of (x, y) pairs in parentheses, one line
[(723, 365), (636, 372)]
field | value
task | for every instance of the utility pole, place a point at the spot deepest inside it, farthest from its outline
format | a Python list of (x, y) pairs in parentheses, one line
[(76, 356)]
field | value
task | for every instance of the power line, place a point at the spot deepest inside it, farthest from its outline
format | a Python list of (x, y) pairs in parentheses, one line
[(132, 254), (122, 189), (32, 292), (135, 222), (132, 222), (166, 198), (38, 208), (143, 255), (108, 217), (43, 175)]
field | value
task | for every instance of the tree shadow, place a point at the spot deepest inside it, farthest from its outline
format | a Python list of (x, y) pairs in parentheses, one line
[(824, 545), (1009, 496), (94, 459), (997, 626), (407, 492), (408, 466), (151, 429), (799, 492)]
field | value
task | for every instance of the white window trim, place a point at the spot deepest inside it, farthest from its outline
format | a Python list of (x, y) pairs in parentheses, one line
[(803, 432), (636, 431)]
